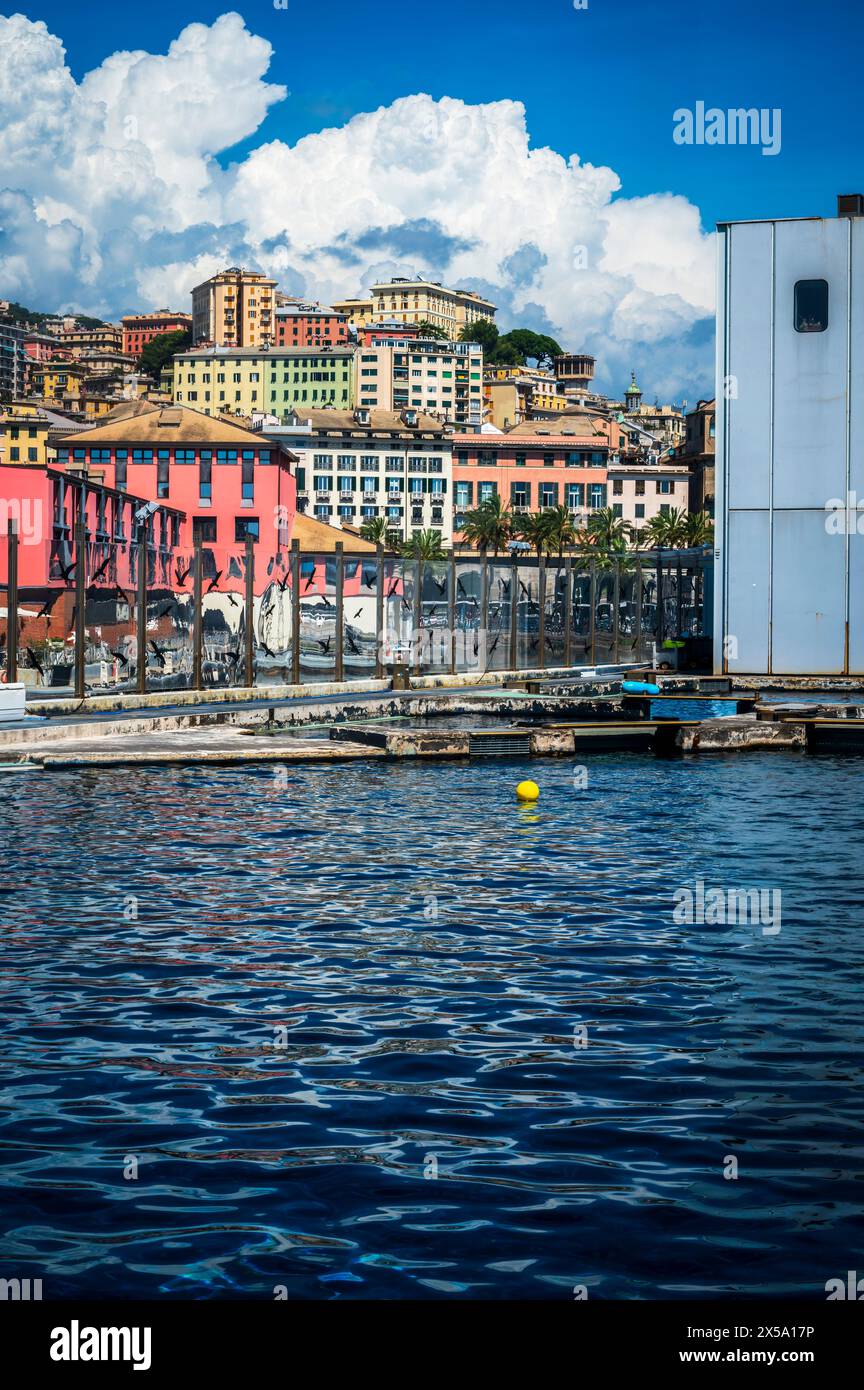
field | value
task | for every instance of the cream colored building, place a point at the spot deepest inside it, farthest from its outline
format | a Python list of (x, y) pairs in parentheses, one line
[(108, 337), (417, 301), (234, 309), (637, 492), (427, 301), (442, 379)]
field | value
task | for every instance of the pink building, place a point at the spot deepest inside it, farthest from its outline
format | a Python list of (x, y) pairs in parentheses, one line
[(228, 482), (45, 347)]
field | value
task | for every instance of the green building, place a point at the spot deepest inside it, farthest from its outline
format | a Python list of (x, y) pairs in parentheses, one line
[(274, 381)]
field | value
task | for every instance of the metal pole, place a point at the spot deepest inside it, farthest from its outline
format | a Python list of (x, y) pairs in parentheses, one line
[(616, 596), (379, 612), (451, 610), (250, 612), (198, 617), (514, 612), (484, 604), (141, 614), (295, 612), (340, 603), (541, 596), (418, 616), (80, 599), (12, 603), (660, 623), (592, 617), (567, 606), (638, 647), (678, 599)]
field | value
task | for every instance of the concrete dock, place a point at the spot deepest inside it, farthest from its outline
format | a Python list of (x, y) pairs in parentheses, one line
[(558, 717)]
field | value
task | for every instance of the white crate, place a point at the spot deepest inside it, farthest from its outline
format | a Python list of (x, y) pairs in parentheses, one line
[(11, 702)]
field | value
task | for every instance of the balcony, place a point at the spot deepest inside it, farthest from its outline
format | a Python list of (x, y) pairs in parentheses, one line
[(322, 495), (346, 495)]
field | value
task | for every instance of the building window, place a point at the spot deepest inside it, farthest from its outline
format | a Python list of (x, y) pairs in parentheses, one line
[(205, 482), (639, 510), (203, 528), (246, 526), (162, 482), (248, 480), (617, 487), (811, 306)]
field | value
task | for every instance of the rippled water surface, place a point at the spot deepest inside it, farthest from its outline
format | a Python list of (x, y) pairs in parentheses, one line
[(375, 1030)]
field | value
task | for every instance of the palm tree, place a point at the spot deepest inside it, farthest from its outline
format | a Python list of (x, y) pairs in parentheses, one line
[(699, 529), (535, 528), (488, 526), (666, 531), (607, 530), (563, 531), (377, 530), (424, 545)]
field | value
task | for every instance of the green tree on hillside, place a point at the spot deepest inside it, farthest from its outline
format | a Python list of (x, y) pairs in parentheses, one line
[(425, 329), (161, 349)]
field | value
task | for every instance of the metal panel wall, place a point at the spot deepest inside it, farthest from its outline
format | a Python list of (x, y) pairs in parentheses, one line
[(792, 441), (747, 623), (810, 379), (748, 332), (808, 595)]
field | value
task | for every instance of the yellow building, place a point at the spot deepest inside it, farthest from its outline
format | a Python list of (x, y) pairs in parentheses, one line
[(514, 394), (248, 381), (358, 312), (234, 309), (23, 435), (57, 381), (427, 301)]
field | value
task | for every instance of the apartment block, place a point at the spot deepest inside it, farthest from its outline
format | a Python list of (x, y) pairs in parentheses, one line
[(234, 309), (141, 329), (428, 301), (106, 337), (12, 360), (309, 326), (23, 435), (638, 492), (441, 379), (274, 381), (356, 465), (531, 472)]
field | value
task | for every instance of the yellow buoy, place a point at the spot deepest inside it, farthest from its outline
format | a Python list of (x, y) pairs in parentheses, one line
[(528, 791)]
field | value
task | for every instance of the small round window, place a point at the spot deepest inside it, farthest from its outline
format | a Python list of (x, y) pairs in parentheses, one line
[(811, 306)]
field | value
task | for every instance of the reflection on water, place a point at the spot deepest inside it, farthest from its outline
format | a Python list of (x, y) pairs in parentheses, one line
[(329, 1036)]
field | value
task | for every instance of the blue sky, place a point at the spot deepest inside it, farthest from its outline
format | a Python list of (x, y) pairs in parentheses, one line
[(123, 193), (602, 81)]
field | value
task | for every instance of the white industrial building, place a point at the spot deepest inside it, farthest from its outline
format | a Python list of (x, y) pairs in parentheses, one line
[(789, 593)]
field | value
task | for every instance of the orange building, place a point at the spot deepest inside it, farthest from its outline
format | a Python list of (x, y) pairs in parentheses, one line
[(531, 472)]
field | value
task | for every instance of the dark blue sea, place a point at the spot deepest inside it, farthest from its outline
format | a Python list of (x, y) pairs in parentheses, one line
[(377, 1030)]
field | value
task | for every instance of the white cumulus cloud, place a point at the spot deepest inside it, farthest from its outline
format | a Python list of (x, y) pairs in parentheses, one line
[(115, 199)]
